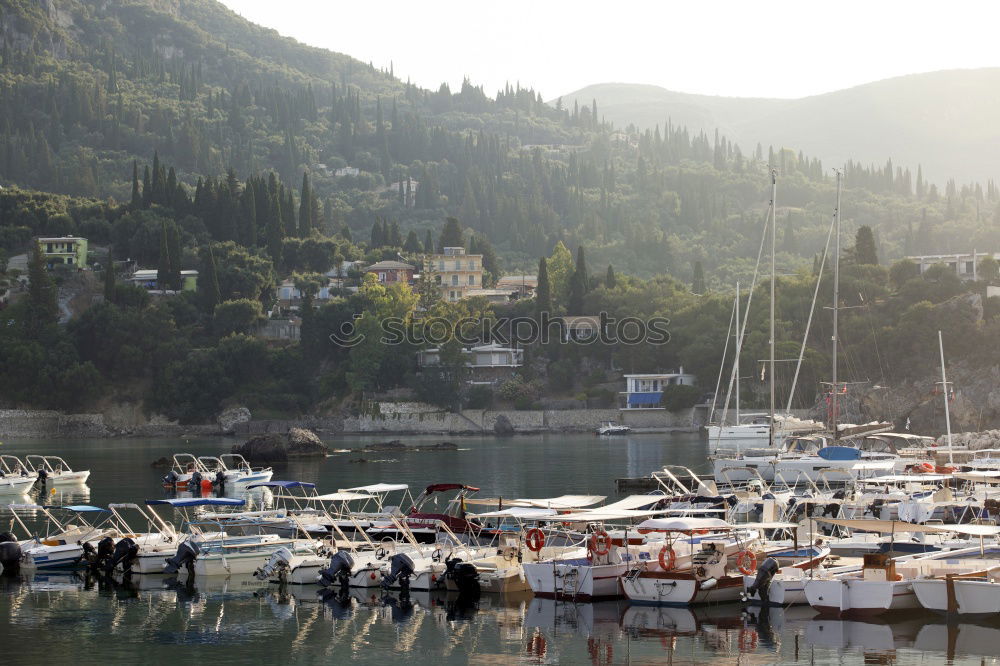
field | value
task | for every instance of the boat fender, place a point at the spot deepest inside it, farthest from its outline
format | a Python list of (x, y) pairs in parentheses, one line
[(762, 583), (186, 554), (535, 539), (124, 554), (339, 570), (746, 562), (708, 583)]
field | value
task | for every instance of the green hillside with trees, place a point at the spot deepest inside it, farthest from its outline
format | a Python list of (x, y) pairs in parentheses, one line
[(180, 136)]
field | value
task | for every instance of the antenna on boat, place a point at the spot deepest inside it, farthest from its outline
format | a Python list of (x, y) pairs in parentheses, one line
[(774, 214), (836, 304), (947, 409)]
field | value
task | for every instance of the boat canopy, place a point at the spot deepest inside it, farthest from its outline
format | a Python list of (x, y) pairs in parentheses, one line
[(198, 501), (902, 478), (25, 507), (602, 514), (839, 453), (518, 512), (78, 508), (377, 488), (561, 502), (684, 524), (892, 526), (979, 477), (282, 484), (341, 496), (632, 502)]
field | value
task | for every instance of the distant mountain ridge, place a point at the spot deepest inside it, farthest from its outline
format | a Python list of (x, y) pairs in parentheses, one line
[(944, 121)]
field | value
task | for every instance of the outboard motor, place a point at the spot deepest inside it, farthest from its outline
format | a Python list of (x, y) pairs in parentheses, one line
[(339, 570), (465, 576), (105, 547), (220, 479), (10, 553), (762, 583), (125, 553), (43, 476), (400, 568), (277, 564), (185, 556), (194, 485), (170, 479)]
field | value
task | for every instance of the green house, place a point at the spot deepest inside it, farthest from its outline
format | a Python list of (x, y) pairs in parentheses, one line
[(65, 250)]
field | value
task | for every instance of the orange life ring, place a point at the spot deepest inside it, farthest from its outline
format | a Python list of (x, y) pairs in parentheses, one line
[(667, 558), (600, 543), (923, 468), (945, 469), (535, 539), (746, 562), (748, 639)]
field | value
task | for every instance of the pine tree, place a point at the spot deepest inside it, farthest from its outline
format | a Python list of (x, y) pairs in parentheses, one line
[(698, 281), (864, 246), (543, 292), (163, 280), (305, 208), (610, 281)]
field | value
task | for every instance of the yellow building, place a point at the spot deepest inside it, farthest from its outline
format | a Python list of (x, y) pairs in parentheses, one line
[(64, 250), (455, 272)]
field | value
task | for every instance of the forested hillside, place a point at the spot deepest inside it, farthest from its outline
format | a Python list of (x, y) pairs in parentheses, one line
[(180, 136)]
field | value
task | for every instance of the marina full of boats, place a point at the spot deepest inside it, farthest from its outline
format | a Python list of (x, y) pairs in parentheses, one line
[(852, 528)]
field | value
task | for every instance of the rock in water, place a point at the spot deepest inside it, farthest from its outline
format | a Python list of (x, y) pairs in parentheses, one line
[(502, 426), (304, 443), (272, 447), (230, 418)]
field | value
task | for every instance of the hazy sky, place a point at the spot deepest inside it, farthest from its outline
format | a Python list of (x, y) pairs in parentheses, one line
[(782, 48)]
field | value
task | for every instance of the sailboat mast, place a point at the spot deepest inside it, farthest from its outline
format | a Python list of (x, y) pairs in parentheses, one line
[(736, 357), (836, 304), (947, 410), (774, 212)]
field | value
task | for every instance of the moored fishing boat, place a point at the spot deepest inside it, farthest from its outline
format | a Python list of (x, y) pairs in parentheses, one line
[(54, 471)]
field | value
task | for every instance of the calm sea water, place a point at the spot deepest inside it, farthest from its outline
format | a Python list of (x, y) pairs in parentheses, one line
[(65, 618)]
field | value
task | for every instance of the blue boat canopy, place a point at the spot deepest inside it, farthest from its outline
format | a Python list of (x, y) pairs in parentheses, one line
[(839, 453), (282, 484), (198, 501), (652, 399), (78, 508)]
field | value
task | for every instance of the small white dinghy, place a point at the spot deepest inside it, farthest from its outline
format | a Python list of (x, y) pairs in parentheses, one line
[(609, 428), (15, 479), (54, 471)]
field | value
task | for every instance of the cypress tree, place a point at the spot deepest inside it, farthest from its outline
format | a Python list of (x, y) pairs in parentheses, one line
[(579, 284), (163, 280), (305, 208), (451, 235), (543, 292), (174, 255), (864, 246), (109, 278), (429, 243), (412, 244), (211, 294), (610, 281), (147, 188), (43, 308), (248, 220), (136, 197), (274, 233), (698, 281)]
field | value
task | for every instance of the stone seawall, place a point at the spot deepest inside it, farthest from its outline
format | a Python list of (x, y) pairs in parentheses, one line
[(47, 423)]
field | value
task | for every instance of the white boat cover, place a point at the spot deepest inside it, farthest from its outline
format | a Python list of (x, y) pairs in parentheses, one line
[(518, 512), (377, 488), (342, 496), (684, 524), (893, 526), (600, 514), (561, 502)]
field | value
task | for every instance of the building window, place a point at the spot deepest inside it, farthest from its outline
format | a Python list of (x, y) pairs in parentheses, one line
[(458, 264), (472, 265), (472, 279), (968, 268), (440, 265), (452, 295), (454, 280)]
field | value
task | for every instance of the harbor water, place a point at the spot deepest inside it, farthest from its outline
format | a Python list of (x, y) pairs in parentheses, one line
[(66, 617)]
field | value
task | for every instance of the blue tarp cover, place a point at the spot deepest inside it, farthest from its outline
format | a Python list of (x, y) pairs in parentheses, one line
[(652, 398), (199, 501), (839, 453), (79, 508)]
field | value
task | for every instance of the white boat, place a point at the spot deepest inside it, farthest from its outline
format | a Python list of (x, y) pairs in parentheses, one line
[(54, 471), (64, 544), (609, 428), (15, 479), (972, 590), (231, 470), (186, 467), (753, 428)]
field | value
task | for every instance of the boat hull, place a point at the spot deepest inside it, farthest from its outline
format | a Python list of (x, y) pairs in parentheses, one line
[(972, 598), (575, 580), (859, 598), (661, 588)]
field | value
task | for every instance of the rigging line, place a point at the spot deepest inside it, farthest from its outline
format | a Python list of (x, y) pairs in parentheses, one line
[(878, 355), (725, 352), (812, 308), (734, 375)]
